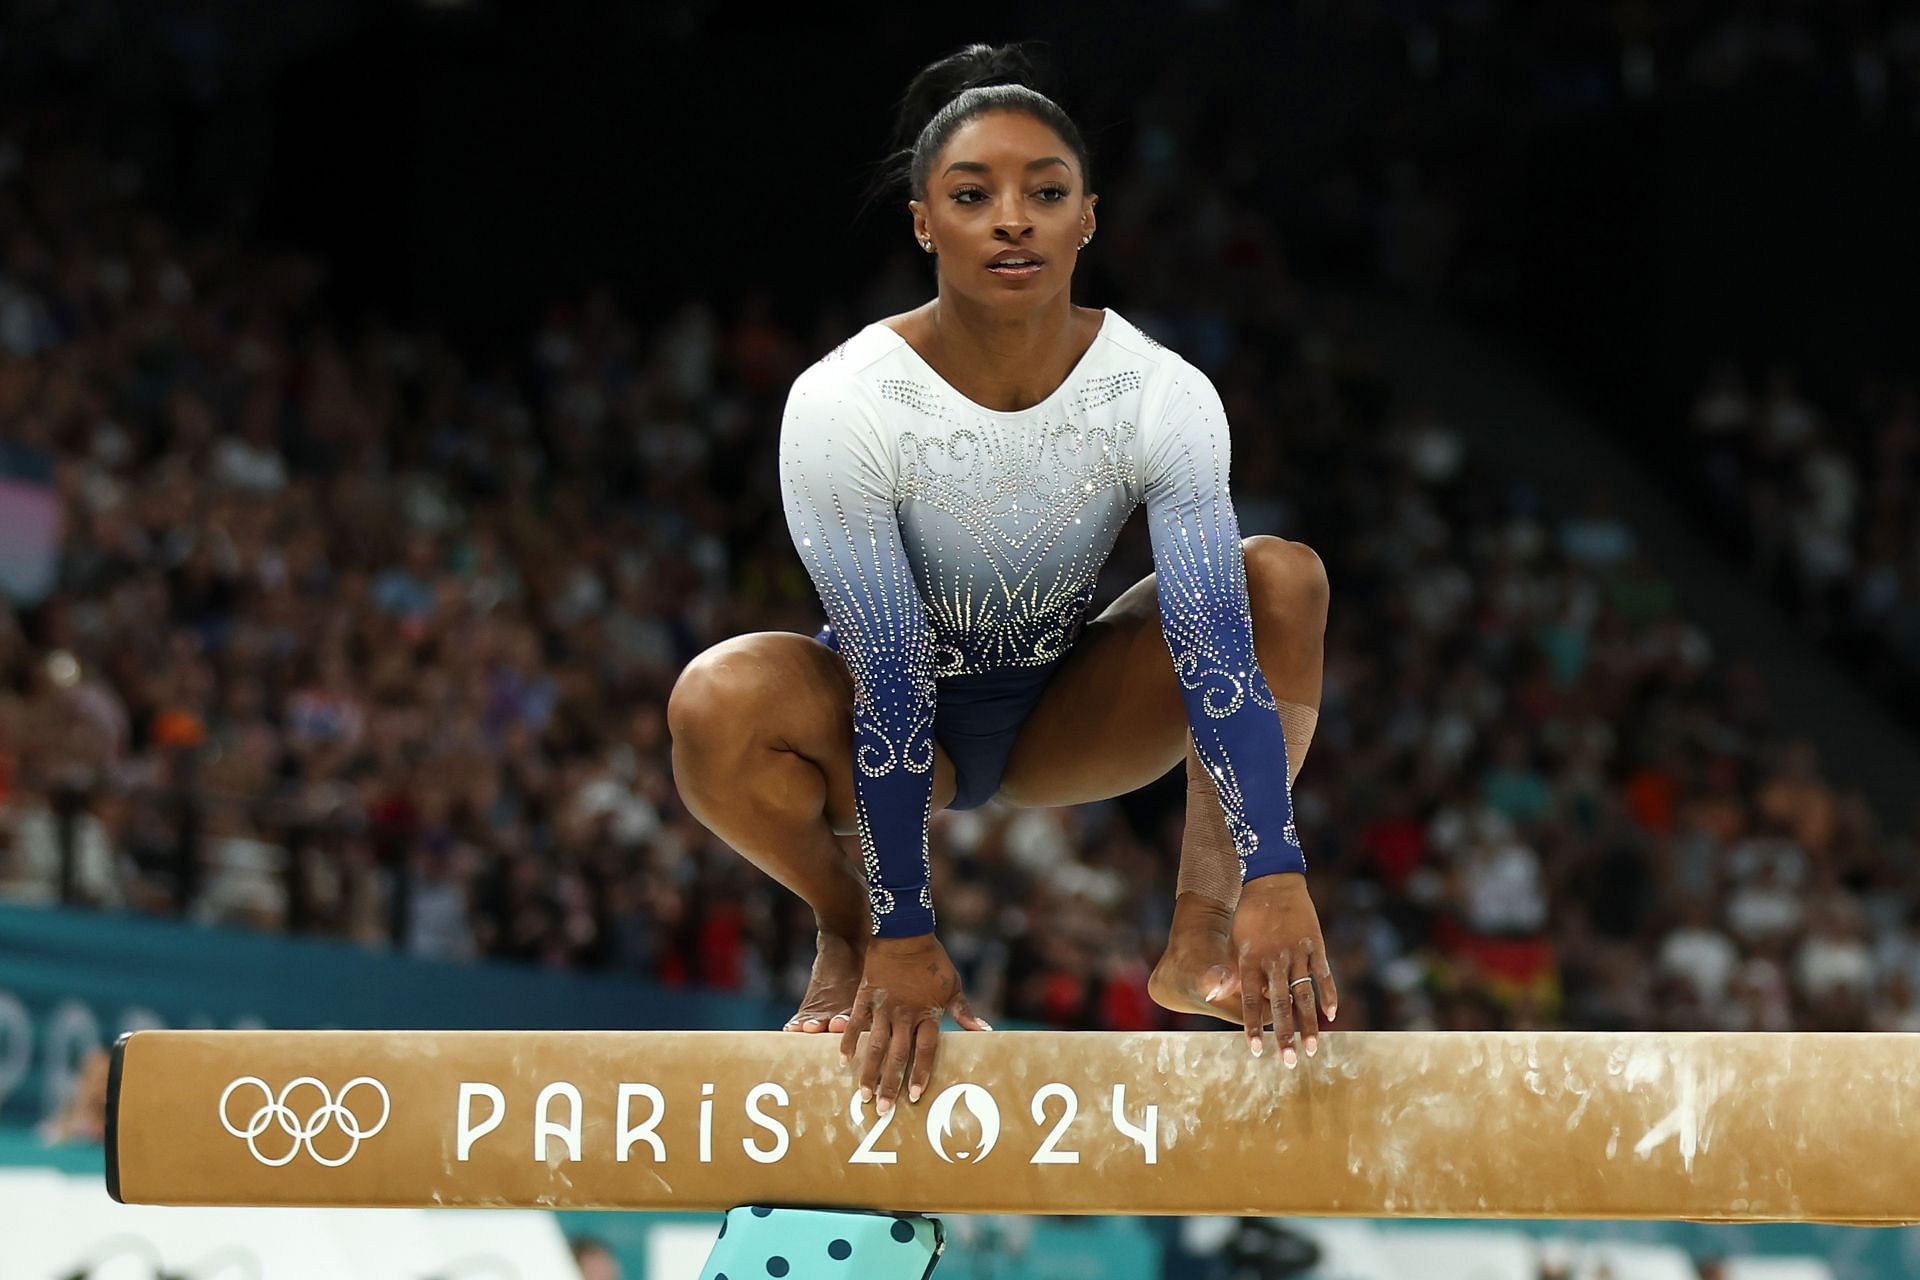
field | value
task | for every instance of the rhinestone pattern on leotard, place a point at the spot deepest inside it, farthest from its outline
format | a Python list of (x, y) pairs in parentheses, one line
[(1206, 619), (946, 539), (1009, 523)]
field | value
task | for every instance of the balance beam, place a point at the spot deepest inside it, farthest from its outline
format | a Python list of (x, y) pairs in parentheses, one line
[(1700, 1126)]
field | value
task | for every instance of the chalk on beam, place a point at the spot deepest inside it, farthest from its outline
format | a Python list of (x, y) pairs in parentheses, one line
[(1720, 1126)]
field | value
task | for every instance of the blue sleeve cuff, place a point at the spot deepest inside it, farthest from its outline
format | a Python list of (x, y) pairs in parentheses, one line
[(907, 919)]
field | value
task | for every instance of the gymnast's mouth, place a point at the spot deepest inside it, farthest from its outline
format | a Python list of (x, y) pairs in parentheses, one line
[(1016, 262)]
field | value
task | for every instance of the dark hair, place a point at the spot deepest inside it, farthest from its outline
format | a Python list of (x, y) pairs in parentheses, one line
[(946, 94)]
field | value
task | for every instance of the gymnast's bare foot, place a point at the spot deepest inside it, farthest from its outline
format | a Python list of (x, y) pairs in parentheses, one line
[(1198, 958), (828, 1004)]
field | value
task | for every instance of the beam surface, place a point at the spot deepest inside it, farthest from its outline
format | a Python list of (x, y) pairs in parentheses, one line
[(1705, 1126)]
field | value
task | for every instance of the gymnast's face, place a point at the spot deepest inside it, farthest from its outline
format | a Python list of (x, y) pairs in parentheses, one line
[(1005, 181)]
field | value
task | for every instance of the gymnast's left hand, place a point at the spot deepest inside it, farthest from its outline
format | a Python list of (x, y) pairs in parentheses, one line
[(906, 986), (1282, 958)]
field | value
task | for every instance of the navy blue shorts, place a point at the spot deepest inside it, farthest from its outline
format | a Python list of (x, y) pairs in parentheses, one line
[(976, 719)]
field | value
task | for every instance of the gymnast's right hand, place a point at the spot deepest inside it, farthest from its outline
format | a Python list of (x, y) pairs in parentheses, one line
[(907, 985)]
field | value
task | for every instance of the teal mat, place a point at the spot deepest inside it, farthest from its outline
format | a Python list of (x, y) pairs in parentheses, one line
[(757, 1241)]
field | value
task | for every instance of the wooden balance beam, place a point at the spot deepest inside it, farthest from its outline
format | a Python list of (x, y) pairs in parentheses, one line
[(1700, 1126)]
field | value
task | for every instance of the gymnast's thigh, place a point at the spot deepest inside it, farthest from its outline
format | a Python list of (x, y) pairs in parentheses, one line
[(1110, 721)]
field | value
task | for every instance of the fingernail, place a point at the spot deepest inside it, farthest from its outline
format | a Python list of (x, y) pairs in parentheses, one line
[(913, 1093), (1256, 1046), (844, 1060), (1332, 1013), (1215, 993), (886, 1105), (985, 1025), (1290, 1055), (1313, 1045), (866, 1094)]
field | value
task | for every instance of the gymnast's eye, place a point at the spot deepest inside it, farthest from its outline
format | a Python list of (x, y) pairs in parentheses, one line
[(1060, 193)]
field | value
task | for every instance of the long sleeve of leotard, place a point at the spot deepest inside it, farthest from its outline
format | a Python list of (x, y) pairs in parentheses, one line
[(1207, 621), (837, 484)]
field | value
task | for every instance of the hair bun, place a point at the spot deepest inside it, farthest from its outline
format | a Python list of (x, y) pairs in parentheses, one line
[(932, 108), (972, 67), (984, 64)]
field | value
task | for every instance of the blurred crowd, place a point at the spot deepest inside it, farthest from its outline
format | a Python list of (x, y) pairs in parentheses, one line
[(1582, 57), (1821, 496), (352, 637)]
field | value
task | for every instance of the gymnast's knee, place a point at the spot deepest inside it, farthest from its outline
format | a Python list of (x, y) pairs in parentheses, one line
[(721, 694), (1286, 577)]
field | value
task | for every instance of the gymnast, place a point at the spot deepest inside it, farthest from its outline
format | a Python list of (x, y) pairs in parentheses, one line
[(953, 479)]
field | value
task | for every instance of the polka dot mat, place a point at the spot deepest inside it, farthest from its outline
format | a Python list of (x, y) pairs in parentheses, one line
[(823, 1244)]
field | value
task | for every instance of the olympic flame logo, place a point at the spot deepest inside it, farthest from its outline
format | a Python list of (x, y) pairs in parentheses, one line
[(328, 1111), (950, 1110)]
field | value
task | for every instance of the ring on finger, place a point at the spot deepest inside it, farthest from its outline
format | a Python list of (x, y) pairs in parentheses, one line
[(1309, 1041)]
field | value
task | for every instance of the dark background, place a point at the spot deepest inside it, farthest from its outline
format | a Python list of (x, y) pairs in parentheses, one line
[(453, 163)]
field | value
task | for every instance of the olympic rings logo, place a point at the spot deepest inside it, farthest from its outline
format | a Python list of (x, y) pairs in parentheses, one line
[(274, 1110)]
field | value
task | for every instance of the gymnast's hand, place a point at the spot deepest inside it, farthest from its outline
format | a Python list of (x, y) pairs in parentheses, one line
[(1276, 938), (907, 984)]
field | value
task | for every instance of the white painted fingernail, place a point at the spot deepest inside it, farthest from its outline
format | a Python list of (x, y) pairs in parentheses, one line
[(1215, 993), (985, 1025), (913, 1093), (1256, 1047), (1291, 1057)]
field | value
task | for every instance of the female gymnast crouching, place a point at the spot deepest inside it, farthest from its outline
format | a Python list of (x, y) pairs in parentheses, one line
[(954, 477)]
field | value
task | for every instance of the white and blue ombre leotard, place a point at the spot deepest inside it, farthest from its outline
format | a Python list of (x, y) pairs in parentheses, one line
[(955, 549)]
